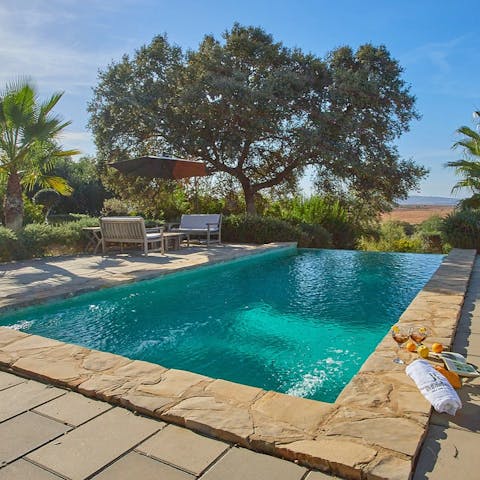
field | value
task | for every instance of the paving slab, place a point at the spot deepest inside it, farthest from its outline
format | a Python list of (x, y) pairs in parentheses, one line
[(23, 470), (95, 444), (73, 409), (319, 476), (137, 466), (468, 417), (467, 343), (25, 396), (183, 448), (448, 453), (22, 434), (241, 464), (8, 380)]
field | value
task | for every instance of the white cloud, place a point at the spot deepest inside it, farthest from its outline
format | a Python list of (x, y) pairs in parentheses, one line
[(51, 64), (437, 54), (54, 43), (441, 62), (76, 140)]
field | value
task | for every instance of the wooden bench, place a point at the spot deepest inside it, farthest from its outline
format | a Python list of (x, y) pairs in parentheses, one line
[(129, 230), (203, 225)]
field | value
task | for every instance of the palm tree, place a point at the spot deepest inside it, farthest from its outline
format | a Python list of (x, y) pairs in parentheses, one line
[(28, 131), (468, 167)]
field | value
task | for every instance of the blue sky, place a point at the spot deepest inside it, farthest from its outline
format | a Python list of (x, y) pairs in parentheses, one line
[(62, 44)]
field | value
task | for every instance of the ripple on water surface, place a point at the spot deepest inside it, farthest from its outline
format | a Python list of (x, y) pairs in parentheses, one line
[(301, 323)]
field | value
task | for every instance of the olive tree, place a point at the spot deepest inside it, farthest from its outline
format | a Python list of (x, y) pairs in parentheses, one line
[(260, 112)]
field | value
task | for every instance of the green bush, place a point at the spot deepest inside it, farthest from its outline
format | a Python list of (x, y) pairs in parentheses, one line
[(9, 245), (48, 198), (392, 237), (461, 229), (79, 219), (429, 232), (314, 236), (324, 211), (115, 207), (257, 229), (432, 224), (39, 239)]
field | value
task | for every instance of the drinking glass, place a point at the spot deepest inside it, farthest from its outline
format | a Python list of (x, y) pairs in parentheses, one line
[(400, 334), (419, 334)]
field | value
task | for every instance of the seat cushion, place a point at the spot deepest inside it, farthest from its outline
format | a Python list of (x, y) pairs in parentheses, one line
[(154, 236)]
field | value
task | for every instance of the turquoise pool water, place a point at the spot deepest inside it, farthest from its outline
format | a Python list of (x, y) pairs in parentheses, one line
[(300, 323)]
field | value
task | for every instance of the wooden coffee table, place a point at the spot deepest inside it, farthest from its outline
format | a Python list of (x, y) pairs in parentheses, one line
[(173, 239)]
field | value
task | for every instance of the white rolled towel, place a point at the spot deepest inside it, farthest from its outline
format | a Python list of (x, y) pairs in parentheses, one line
[(434, 387)]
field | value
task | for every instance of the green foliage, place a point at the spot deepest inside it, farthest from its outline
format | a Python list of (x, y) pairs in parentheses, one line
[(48, 198), (469, 166), (36, 240), (28, 151), (391, 237), (314, 236), (429, 232), (259, 112), (461, 229), (256, 229), (431, 225), (325, 211), (32, 213), (114, 207), (40, 239), (88, 191), (9, 248), (398, 236)]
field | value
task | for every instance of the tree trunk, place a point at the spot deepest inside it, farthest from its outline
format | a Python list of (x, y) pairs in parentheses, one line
[(249, 195), (13, 203)]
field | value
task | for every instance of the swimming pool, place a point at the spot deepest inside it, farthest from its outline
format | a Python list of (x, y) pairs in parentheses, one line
[(300, 322)]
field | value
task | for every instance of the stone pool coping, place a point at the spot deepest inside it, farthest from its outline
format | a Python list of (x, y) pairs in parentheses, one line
[(374, 429)]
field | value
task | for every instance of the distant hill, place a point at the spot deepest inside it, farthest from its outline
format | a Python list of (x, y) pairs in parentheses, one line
[(421, 200)]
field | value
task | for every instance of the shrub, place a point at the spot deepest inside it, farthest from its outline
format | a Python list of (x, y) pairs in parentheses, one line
[(257, 229), (80, 219), (48, 197), (432, 224), (114, 207), (315, 236), (9, 245), (461, 229), (392, 238), (38, 239), (32, 213), (326, 212), (429, 232)]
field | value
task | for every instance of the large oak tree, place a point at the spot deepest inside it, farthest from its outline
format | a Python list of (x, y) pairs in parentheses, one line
[(260, 112)]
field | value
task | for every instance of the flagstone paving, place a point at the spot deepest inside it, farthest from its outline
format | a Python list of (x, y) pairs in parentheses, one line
[(373, 431), (452, 445)]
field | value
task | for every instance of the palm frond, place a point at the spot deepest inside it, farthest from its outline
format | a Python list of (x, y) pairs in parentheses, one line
[(60, 185), (66, 153)]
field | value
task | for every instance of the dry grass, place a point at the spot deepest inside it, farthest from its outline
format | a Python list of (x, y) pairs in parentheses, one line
[(416, 214)]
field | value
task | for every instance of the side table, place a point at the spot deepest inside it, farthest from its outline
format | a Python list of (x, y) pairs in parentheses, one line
[(94, 237)]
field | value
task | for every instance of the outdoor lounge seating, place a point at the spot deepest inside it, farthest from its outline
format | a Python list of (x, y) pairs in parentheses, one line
[(202, 225), (129, 230)]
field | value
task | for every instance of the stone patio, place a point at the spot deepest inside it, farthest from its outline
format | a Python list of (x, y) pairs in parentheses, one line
[(374, 430), (54, 434)]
